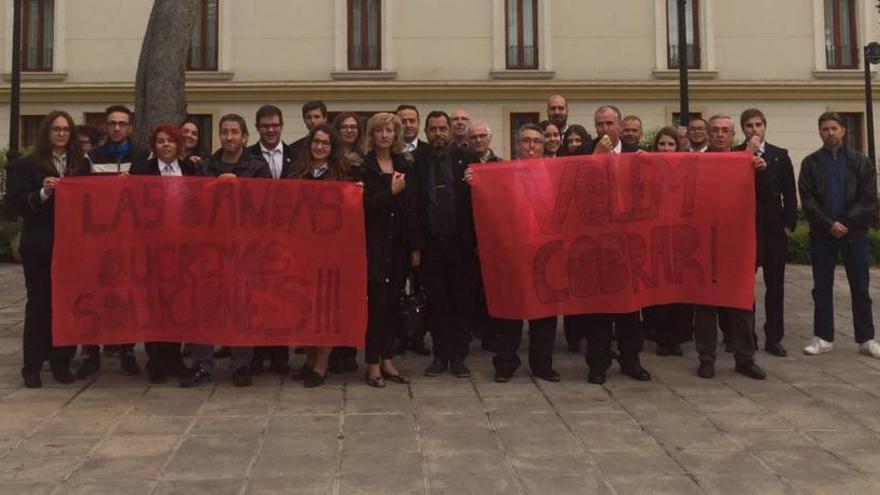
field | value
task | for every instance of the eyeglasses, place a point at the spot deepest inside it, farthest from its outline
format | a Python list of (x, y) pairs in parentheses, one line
[(321, 143), (474, 137), (117, 123), (61, 130)]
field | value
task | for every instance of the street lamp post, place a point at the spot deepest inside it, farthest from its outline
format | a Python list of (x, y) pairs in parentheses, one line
[(15, 87), (683, 113), (872, 57)]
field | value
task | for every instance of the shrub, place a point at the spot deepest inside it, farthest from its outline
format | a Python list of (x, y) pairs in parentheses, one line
[(799, 245)]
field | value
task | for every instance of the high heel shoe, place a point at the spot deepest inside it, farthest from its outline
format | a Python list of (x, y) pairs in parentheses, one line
[(396, 378), (374, 382)]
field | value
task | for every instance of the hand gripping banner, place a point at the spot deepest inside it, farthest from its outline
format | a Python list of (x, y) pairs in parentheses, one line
[(236, 262), (615, 233)]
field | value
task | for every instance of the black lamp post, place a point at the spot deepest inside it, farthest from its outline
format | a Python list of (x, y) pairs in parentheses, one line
[(683, 112), (15, 87), (872, 57)]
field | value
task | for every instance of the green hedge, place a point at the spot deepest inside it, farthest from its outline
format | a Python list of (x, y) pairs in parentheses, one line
[(799, 245)]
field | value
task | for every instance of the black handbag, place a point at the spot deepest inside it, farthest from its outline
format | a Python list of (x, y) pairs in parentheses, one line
[(413, 305)]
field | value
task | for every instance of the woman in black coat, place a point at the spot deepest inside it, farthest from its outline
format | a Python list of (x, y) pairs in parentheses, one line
[(31, 187), (390, 222)]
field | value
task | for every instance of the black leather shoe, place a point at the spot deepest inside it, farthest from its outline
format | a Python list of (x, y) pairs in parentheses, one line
[(437, 367), (198, 377), (241, 377), (63, 375), (597, 377), (350, 363), (396, 378), (32, 379), (662, 350), (675, 350), (303, 372), (129, 365), (636, 372), (503, 376), (549, 374), (89, 367), (335, 366), (459, 369), (314, 379), (776, 349), (418, 346), (256, 367), (279, 367), (157, 376), (751, 370), (706, 370)]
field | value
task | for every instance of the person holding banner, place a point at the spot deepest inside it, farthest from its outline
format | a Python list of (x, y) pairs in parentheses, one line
[(322, 159), (166, 143), (389, 221), (116, 156), (530, 141), (230, 162), (31, 185)]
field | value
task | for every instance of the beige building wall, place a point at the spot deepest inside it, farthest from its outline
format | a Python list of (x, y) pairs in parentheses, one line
[(443, 54)]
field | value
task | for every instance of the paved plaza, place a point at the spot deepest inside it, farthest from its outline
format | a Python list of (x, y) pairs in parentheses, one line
[(812, 427)]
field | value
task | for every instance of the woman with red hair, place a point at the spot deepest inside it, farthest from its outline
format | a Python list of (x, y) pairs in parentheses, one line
[(167, 144)]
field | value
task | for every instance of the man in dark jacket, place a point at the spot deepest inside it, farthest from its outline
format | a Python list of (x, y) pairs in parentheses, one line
[(314, 113), (838, 188), (230, 161), (446, 243), (777, 223)]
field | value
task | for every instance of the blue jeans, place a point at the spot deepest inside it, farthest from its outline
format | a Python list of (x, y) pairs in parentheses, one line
[(823, 255)]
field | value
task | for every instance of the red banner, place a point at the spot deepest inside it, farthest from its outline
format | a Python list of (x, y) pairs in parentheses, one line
[(230, 262), (615, 233)]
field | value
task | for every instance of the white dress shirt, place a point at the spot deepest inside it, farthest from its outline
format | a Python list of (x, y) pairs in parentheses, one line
[(169, 169), (274, 157)]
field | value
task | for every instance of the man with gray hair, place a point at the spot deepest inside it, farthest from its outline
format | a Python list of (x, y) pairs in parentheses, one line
[(480, 139)]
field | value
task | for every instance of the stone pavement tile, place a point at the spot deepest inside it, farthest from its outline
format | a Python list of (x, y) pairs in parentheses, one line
[(574, 404), (616, 440), (528, 420), (94, 408), (153, 425), (319, 443), (199, 487), (166, 407), (646, 484), (870, 421), (472, 484), (715, 462), (820, 420), (198, 394), (459, 441), (440, 389), (773, 440), (295, 464), (230, 425), (75, 446), (586, 484), (846, 440), (471, 421), (377, 463), (303, 424), (629, 463), (237, 407), (362, 391), (529, 440), (390, 424), (694, 439), (300, 485), (16, 425), (88, 426), (39, 468), (661, 420), (457, 462), (866, 460), (128, 487), (514, 388), (209, 457), (738, 484), (521, 404), (330, 403), (110, 468), (378, 441), (382, 484), (724, 404), (26, 488), (136, 446), (736, 422), (447, 405), (525, 463), (378, 406), (617, 420), (802, 465)]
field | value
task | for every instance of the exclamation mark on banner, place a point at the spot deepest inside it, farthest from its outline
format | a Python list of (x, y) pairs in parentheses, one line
[(328, 300), (714, 247)]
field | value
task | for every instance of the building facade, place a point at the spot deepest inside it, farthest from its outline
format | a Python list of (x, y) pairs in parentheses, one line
[(499, 59)]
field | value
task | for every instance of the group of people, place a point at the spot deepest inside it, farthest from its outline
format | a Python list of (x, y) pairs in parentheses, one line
[(419, 226)]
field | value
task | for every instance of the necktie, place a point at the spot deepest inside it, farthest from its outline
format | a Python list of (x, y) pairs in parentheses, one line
[(168, 170)]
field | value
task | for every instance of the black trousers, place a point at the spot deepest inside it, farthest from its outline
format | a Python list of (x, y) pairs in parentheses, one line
[(672, 324), (542, 337), (383, 306), (773, 269), (274, 353), (447, 271), (573, 333), (164, 357), (600, 330), (740, 329), (37, 345)]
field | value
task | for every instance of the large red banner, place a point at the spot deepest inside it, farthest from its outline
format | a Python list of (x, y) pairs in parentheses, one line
[(615, 233), (224, 261)]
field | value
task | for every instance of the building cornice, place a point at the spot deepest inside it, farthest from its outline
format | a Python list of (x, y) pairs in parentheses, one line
[(496, 90)]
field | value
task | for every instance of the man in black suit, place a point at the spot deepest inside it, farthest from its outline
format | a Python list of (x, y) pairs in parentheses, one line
[(776, 225), (314, 113), (279, 156), (600, 329), (409, 117), (446, 241)]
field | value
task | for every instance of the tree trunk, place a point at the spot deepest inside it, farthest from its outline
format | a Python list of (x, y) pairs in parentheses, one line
[(160, 85)]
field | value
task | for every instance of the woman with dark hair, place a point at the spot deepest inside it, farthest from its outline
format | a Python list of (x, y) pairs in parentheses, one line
[(390, 224), (193, 149), (671, 324), (348, 125), (321, 159), (576, 140), (552, 139), (31, 187)]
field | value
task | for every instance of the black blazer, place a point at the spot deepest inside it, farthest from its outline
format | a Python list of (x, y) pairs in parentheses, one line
[(624, 148), (151, 167), (24, 181), (385, 214), (287, 156), (782, 174), (247, 166)]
